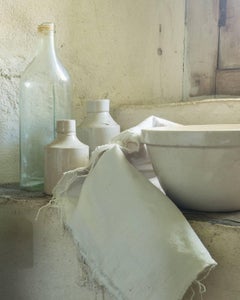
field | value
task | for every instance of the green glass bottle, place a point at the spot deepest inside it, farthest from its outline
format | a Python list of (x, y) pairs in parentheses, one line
[(45, 96)]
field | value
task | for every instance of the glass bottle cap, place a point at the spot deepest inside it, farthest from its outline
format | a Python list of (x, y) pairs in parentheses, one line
[(48, 26)]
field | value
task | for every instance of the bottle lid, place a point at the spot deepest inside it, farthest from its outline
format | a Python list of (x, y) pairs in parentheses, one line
[(64, 126), (48, 26), (99, 105)]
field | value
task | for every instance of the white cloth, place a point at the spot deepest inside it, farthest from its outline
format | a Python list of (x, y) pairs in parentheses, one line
[(135, 150), (135, 240), (130, 139)]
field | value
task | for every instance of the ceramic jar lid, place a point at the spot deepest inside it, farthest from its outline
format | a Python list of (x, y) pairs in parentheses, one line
[(64, 126), (99, 105)]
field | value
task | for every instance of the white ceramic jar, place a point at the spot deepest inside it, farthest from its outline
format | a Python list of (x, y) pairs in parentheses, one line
[(65, 153), (98, 127)]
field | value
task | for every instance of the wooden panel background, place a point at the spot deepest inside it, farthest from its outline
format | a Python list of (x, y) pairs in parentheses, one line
[(229, 44), (228, 82), (201, 47)]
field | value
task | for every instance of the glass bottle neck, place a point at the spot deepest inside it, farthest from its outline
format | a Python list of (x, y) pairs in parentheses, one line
[(46, 45)]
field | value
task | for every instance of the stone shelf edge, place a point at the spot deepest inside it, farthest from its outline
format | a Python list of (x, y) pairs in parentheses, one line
[(12, 192), (219, 232)]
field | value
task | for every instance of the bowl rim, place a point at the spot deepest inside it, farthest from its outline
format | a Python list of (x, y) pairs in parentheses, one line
[(205, 135)]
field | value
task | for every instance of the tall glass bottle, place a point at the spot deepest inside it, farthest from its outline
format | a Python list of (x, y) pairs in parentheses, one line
[(45, 96)]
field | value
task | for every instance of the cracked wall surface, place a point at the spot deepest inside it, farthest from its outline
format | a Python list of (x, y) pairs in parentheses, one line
[(110, 48), (9, 81)]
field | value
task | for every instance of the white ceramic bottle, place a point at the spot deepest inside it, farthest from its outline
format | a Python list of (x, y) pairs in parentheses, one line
[(65, 153), (98, 127)]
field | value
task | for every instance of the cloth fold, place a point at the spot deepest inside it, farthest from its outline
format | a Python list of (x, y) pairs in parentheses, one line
[(135, 240), (130, 139), (136, 152)]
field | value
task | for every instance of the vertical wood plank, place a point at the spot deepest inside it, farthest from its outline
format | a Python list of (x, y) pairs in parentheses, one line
[(228, 82), (201, 47), (171, 37), (229, 50)]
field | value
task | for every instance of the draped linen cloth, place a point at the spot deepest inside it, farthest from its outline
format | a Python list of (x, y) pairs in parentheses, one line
[(135, 240)]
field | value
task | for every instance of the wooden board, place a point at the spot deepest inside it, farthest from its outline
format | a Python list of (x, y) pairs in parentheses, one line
[(228, 82), (229, 44), (201, 47)]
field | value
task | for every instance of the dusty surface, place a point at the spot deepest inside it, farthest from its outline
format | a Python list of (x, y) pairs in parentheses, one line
[(39, 259), (228, 219), (12, 191)]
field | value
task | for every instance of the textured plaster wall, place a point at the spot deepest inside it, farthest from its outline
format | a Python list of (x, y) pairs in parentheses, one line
[(114, 49)]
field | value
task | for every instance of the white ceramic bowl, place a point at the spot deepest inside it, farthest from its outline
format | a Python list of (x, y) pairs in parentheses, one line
[(198, 166)]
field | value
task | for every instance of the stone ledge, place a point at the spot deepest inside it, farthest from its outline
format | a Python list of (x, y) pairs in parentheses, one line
[(223, 218), (219, 232), (12, 192)]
